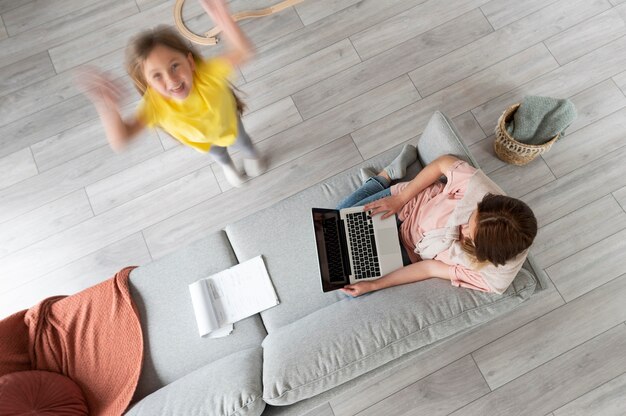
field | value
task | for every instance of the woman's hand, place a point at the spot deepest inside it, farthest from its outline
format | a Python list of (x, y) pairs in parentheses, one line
[(358, 289), (103, 92), (390, 205)]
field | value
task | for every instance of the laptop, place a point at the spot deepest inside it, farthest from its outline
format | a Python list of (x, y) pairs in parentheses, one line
[(352, 246)]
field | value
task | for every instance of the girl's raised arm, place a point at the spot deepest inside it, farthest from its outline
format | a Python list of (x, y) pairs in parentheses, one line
[(242, 49), (105, 95)]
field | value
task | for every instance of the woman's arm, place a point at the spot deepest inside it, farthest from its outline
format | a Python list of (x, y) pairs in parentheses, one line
[(415, 272), (105, 95), (242, 49), (426, 177)]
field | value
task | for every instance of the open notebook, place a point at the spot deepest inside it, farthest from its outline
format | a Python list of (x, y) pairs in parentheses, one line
[(231, 295)]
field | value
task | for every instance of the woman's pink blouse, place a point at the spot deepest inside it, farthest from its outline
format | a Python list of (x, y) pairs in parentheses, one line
[(430, 210)]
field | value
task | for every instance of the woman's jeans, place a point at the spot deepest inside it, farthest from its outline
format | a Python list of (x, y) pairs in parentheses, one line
[(374, 188)]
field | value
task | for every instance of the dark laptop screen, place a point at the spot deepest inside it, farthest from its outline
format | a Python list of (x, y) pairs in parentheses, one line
[(331, 248)]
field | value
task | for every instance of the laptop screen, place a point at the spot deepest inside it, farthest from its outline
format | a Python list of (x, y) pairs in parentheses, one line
[(331, 249)]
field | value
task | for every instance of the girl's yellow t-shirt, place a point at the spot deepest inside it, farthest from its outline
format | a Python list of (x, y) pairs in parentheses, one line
[(207, 116)]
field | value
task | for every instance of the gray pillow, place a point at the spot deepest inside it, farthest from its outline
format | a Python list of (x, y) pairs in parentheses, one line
[(227, 387), (355, 335)]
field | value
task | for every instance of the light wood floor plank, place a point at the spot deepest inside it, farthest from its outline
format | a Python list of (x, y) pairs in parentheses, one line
[(52, 90), (586, 36), (148, 4), (297, 76), (144, 177), (113, 225), (558, 381), (537, 343), (25, 72), (443, 354), (405, 57), (84, 21), (3, 30), (272, 27), (578, 188), (324, 410), (486, 156), (595, 103), (468, 128), (503, 43), (44, 222), (576, 231), (568, 80), (437, 394), (32, 14), (605, 400), (398, 29), (34, 192), (7, 5), (620, 196), (69, 144), (78, 275), (591, 267), (503, 12), (454, 100), (44, 124), (578, 148), (321, 34), (620, 81), (271, 119), (16, 167), (106, 39), (312, 11), (535, 174), (260, 193)]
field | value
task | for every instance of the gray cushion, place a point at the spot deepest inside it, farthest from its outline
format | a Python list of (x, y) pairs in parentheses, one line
[(172, 346), (440, 137), (227, 387), (355, 335), (283, 234)]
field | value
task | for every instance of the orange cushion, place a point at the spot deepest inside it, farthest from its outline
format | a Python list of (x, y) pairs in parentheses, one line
[(40, 393)]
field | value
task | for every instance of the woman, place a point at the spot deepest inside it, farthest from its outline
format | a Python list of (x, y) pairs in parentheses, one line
[(463, 230)]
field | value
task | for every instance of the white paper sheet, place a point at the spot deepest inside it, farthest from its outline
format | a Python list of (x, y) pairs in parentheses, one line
[(202, 307), (232, 295)]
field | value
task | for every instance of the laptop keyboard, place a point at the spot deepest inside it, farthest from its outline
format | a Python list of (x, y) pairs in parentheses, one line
[(363, 246)]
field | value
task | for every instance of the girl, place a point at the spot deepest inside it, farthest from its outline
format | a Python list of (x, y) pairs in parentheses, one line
[(463, 231), (183, 94)]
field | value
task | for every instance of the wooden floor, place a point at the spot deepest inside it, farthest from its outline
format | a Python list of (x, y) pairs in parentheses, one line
[(334, 83)]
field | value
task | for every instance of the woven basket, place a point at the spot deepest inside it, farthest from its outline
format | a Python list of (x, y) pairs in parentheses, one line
[(510, 150)]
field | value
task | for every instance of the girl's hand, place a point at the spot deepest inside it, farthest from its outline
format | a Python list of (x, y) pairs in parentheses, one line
[(103, 92), (389, 205), (358, 289), (216, 9)]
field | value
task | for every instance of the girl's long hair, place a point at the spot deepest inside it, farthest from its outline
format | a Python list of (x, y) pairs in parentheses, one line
[(141, 45), (505, 227)]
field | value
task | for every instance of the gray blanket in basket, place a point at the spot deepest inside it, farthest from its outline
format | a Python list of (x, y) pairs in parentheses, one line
[(539, 119)]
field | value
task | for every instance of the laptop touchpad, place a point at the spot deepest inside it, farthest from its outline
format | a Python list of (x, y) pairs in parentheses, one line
[(387, 240)]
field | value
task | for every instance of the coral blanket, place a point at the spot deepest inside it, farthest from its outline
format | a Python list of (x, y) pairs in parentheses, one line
[(94, 337)]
